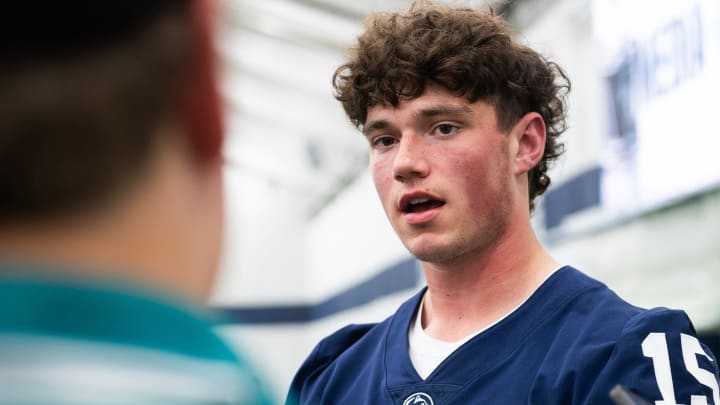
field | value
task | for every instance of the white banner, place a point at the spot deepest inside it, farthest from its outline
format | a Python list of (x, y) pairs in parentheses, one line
[(663, 81)]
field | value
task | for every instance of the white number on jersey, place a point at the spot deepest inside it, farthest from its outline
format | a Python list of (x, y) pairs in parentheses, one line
[(655, 346)]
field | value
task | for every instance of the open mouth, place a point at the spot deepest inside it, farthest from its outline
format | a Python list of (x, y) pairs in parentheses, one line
[(421, 204)]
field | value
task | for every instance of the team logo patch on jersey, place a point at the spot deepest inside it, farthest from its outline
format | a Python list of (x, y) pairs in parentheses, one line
[(418, 398)]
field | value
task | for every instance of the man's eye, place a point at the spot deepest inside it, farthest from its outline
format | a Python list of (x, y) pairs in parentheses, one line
[(383, 141), (446, 129)]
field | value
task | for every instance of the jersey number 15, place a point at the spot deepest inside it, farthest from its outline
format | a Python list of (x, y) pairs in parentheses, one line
[(655, 346)]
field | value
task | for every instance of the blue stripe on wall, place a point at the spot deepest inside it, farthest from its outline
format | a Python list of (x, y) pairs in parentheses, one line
[(399, 277), (574, 195)]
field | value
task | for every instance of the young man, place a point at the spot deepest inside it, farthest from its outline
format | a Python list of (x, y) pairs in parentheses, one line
[(111, 208), (462, 123)]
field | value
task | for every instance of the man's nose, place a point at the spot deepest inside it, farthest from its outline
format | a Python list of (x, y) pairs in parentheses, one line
[(411, 159)]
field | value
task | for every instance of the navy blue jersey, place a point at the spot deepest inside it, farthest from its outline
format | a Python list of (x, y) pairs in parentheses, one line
[(569, 343)]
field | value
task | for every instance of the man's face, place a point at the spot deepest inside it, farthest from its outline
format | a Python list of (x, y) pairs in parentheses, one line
[(443, 171)]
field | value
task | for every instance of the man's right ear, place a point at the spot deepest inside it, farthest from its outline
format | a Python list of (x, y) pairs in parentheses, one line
[(200, 106)]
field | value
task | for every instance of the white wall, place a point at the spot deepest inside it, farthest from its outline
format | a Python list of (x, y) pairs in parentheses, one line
[(350, 240)]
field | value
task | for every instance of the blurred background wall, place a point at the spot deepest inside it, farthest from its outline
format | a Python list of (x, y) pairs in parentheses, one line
[(635, 201)]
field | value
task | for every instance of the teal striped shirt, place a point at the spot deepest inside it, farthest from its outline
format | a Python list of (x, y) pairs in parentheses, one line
[(68, 342)]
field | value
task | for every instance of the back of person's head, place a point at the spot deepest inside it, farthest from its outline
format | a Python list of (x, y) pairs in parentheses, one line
[(468, 52), (84, 86), (90, 94)]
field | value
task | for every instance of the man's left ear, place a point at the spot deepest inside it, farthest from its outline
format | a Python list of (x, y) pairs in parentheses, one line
[(529, 133)]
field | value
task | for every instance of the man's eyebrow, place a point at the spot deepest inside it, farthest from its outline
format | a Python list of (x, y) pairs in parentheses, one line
[(375, 125), (428, 112), (445, 109)]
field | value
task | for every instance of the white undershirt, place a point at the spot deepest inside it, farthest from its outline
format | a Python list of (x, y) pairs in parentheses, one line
[(426, 352)]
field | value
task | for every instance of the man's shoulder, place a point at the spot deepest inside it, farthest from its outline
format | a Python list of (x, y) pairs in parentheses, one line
[(588, 315), (325, 353), (349, 348), (657, 354), (571, 298), (355, 335), (339, 341), (595, 302), (346, 338), (604, 341), (593, 298)]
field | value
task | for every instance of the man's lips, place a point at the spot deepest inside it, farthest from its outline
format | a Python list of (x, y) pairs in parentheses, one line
[(419, 207)]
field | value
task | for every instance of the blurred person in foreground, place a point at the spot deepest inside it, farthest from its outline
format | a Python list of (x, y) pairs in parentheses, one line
[(111, 206), (462, 123)]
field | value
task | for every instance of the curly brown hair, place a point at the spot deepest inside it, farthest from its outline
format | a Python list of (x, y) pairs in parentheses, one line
[(468, 52)]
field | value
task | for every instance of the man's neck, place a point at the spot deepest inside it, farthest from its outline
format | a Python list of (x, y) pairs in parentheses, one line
[(143, 234), (81, 250), (476, 291)]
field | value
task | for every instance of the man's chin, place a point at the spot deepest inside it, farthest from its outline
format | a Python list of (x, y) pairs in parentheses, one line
[(434, 253)]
